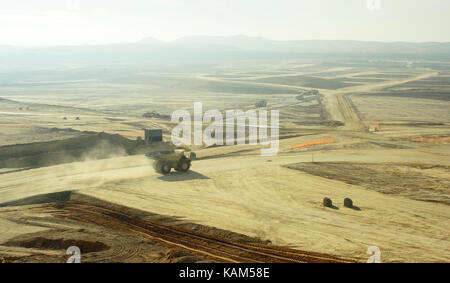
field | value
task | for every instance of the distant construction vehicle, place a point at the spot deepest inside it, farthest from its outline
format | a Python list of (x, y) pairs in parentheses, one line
[(260, 103)]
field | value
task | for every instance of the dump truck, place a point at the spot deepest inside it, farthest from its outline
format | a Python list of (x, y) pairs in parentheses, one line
[(179, 159), (167, 156)]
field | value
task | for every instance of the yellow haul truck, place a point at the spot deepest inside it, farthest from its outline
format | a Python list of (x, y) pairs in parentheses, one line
[(179, 158)]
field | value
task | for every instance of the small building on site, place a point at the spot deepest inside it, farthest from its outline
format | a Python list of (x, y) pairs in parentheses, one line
[(153, 135)]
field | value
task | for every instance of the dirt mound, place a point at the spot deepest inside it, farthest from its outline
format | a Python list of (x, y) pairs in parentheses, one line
[(143, 236), (167, 220), (85, 147), (40, 199)]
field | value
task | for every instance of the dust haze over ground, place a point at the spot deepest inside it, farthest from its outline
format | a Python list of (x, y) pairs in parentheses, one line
[(73, 171)]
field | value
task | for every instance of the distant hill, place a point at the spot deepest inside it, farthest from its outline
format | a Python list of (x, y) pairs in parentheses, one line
[(150, 40), (316, 46), (207, 50)]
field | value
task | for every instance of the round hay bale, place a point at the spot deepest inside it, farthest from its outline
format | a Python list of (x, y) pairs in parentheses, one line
[(348, 202), (327, 202)]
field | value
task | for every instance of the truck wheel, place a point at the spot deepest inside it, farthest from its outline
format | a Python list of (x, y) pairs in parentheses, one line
[(184, 165), (165, 168)]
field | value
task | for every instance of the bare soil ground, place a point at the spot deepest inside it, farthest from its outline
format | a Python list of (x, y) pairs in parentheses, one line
[(130, 235), (424, 182), (234, 205), (97, 243)]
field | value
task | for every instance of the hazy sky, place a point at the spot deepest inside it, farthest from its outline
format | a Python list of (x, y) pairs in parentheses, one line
[(56, 22)]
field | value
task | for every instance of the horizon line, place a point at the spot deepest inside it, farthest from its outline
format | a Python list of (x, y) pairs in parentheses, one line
[(157, 40)]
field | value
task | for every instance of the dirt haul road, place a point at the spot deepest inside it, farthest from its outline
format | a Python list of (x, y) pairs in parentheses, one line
[(339, 106), (257, 196)]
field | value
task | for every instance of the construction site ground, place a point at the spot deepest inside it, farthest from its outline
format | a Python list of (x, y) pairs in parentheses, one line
[(234, 205)]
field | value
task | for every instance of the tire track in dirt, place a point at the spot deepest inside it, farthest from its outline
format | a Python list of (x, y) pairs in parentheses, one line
[(215, 248)]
